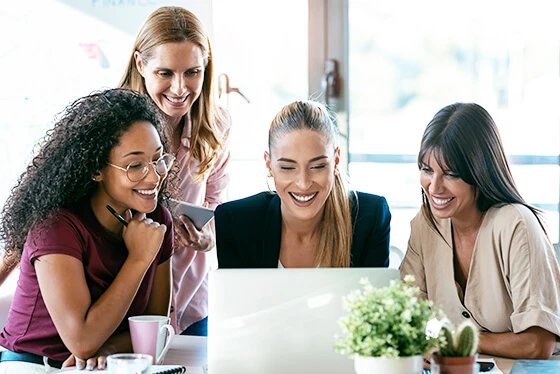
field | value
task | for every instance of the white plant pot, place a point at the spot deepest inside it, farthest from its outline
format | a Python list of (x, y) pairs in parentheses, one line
[(399, 365)]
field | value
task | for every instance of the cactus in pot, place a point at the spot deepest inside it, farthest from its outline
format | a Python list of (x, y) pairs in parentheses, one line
[(460, 343), (457, 350)]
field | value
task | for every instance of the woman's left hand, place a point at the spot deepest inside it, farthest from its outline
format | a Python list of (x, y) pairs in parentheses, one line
[(187, 235), (98, 362)]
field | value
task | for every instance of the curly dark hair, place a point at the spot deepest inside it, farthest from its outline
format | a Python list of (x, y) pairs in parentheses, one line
[(70, 154)]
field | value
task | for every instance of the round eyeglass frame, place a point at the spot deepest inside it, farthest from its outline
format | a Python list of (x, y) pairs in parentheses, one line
[(145, 169)]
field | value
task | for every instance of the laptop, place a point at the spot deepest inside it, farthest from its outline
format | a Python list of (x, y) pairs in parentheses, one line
[(270, 321)]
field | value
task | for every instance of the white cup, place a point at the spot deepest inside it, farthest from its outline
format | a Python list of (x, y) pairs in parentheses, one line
[(128, 363), (151, 335)]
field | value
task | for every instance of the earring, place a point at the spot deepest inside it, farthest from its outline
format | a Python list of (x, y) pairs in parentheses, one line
[(93, 179), (268, 178)]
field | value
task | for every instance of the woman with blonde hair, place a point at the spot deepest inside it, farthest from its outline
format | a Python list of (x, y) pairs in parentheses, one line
[(311, 220), (172, 62)]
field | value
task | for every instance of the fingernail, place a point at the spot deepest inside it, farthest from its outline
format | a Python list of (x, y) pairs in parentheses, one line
[(79, 366), (89, 367), (101, 367)]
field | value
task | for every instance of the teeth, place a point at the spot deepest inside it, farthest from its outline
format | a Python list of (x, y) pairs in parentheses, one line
[(178, 100), (147, 192), (303, 198), (441, 202)]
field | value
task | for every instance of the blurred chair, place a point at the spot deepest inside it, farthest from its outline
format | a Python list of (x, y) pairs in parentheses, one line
[(396, 256), (7, 294), (5, 303)]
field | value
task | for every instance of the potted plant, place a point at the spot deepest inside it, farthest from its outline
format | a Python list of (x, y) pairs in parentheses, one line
[(385, 328), (457, 349)]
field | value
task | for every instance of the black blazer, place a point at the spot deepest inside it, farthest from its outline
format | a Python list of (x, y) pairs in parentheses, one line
[(248, 231)]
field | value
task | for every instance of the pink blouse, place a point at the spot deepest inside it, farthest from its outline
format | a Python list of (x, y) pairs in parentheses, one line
[(190, 268)]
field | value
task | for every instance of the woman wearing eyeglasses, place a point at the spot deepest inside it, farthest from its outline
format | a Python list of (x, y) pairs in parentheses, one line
[(172, 61), (84, 270)]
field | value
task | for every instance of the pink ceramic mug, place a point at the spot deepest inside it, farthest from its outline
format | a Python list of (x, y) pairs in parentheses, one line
[(151, 335)]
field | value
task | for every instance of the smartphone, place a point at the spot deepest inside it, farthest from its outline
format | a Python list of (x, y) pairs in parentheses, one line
[(197, 214), (485, 366)]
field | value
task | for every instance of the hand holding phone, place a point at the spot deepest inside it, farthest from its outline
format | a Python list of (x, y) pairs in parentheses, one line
[(197, 214)]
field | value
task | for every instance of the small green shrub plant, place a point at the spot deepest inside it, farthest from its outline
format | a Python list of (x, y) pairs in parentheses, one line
[(387, 322)]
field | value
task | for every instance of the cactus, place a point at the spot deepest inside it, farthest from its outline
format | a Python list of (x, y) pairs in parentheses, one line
[(446, 349), (460, 343)]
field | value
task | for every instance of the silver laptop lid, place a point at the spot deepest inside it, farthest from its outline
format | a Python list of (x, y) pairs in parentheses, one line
[(270, 321)]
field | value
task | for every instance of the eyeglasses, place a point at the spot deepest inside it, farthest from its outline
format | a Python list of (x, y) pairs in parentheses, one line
[(137, 170)]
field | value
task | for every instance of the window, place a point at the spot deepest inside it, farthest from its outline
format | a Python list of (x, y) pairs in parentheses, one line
[(408, 59)]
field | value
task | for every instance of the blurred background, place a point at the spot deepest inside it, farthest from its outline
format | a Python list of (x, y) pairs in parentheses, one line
[(384, 67)]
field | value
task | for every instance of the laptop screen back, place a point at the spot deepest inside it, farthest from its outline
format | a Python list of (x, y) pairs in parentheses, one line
[(281, 320)]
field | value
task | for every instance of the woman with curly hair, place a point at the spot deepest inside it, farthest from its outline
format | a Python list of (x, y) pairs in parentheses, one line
[(171, 60), (83, 271)]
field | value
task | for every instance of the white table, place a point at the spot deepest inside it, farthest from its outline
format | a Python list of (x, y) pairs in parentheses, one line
[(504, 365), (187, 351), (192, 351)]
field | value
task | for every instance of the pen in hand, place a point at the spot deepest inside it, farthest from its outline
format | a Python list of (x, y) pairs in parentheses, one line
[(117, 215)]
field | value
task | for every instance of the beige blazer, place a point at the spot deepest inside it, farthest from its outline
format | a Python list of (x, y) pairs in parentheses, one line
[(514, 278)]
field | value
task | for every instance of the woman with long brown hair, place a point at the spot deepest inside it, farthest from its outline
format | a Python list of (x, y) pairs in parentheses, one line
[(477, 248)]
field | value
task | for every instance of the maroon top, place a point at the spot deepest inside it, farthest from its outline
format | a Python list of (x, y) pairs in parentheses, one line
[(77, 233)]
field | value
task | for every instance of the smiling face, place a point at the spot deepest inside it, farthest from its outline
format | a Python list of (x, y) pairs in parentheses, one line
[(303, 165), (140, 143), (449, 196), (173, 77)]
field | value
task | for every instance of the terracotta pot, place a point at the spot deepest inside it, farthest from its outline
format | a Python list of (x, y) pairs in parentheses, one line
[(453, 365), (398, 365)]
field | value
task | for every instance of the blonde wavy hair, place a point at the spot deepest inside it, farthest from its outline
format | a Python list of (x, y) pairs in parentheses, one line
[(172, 24), (335, 233)]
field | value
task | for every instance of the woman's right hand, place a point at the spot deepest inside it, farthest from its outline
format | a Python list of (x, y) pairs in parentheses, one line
[(143, 237)]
